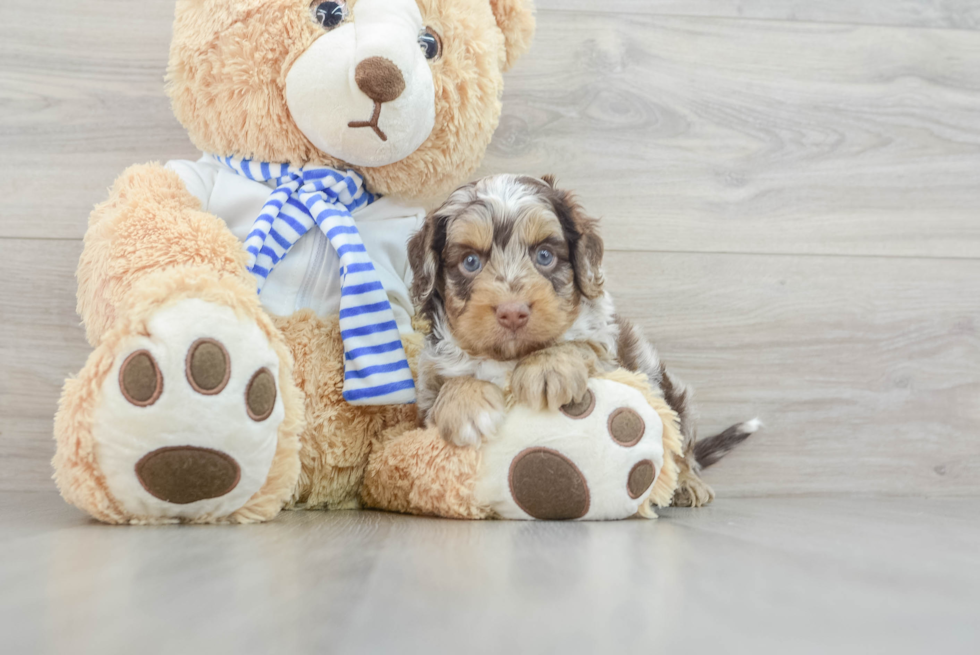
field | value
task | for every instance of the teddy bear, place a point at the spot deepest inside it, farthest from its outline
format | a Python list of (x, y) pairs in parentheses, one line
[(253, 333)]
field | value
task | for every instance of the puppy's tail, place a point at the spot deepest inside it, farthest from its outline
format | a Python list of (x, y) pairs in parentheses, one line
[(703, 452), (708, 451)]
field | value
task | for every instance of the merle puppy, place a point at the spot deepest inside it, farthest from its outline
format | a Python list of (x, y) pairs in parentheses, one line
[(509, 273)]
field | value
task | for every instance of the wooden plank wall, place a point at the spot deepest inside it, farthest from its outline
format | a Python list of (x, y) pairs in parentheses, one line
[(790, 194)]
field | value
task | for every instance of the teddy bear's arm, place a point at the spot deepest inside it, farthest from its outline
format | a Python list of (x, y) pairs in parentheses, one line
[(149, 223)]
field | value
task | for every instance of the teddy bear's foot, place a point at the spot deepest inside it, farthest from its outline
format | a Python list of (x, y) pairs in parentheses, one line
[(180, 414), (597, 459), (188, 421)]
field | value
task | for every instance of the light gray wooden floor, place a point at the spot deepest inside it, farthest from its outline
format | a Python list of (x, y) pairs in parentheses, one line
[(791, 201), (813, 575)]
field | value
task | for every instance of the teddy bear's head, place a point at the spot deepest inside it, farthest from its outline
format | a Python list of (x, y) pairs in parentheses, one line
[(405, 91)]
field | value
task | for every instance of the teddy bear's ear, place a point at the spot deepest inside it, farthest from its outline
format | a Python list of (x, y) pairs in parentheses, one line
[(515, 18)]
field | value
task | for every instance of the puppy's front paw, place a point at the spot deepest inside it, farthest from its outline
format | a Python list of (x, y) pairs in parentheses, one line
[(550, 378), (467, 411)]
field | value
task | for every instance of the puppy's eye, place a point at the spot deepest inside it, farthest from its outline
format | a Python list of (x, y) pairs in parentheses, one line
[(472, 264), (545, 258), (329, 14), (430, 43)]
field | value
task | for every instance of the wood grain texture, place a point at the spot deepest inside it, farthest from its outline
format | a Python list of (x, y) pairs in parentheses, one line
[(955, 14), (690, 134), (791, 210), (703, 135), (81, 99), (803, 576), (41, 343), (866, 371)]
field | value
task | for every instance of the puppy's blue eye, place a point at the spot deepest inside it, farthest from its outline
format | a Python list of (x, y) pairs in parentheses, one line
[(545, 257), (472, 263), (330, 14)]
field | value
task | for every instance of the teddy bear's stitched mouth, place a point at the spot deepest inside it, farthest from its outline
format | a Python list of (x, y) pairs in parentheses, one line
[(373, 123)]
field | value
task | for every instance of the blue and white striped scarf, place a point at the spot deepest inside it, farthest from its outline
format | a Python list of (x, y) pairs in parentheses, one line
[(376, 369)]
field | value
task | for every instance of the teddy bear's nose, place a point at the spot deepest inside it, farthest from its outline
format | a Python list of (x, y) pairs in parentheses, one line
[(379, 79)]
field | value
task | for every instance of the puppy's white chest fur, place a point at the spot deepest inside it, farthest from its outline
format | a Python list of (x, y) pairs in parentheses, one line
[(452, 362), (493, 371)]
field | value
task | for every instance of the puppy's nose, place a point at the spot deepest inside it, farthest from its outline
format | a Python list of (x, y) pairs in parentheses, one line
[(379, 79), (513, 315)]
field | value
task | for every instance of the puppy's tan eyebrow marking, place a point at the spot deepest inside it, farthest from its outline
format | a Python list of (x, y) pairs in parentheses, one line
[(472, 231), (540, 226)]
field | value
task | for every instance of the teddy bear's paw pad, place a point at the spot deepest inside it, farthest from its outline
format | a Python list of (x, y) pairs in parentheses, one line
[(626, 427), (596, 459), (188, 425), (580, 408), (547, 485), (641, 478), (187, 474), (260, 397), (140, 380), (208, 366)]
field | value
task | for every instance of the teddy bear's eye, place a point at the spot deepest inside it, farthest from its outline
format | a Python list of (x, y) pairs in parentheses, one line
[(330, 14), (472, 264), (430, 43)]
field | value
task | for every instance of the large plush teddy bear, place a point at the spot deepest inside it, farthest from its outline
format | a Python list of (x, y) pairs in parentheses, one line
[(205, 401)]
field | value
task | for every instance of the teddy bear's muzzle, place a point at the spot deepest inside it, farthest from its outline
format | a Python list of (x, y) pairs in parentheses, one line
[(187, 474)]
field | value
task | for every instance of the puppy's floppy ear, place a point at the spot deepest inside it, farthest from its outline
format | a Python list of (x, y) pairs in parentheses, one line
[(585, 246), (515, 18), (423, 257)]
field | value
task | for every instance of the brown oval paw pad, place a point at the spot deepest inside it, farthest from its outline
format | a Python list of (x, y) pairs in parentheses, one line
[(548, 486), (580, 408), (260, 395), (641, 477), (140, 379), (186, 474), (208, 367), (626, 427)]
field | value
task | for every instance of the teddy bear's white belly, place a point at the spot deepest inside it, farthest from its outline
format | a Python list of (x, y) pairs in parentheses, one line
[(308, 277)]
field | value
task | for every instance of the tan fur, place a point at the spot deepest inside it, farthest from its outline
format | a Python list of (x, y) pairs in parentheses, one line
[(540, 224), (76, 470), (462, 405), (474, 232), (516, 21), (150, 244), (501, 219), (150, 222), (475, 325), (338, 435), (417, 472), (227, 80), (555, 376), (508, 275)]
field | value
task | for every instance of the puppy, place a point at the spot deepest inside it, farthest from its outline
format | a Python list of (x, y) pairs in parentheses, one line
[(508, 271)]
